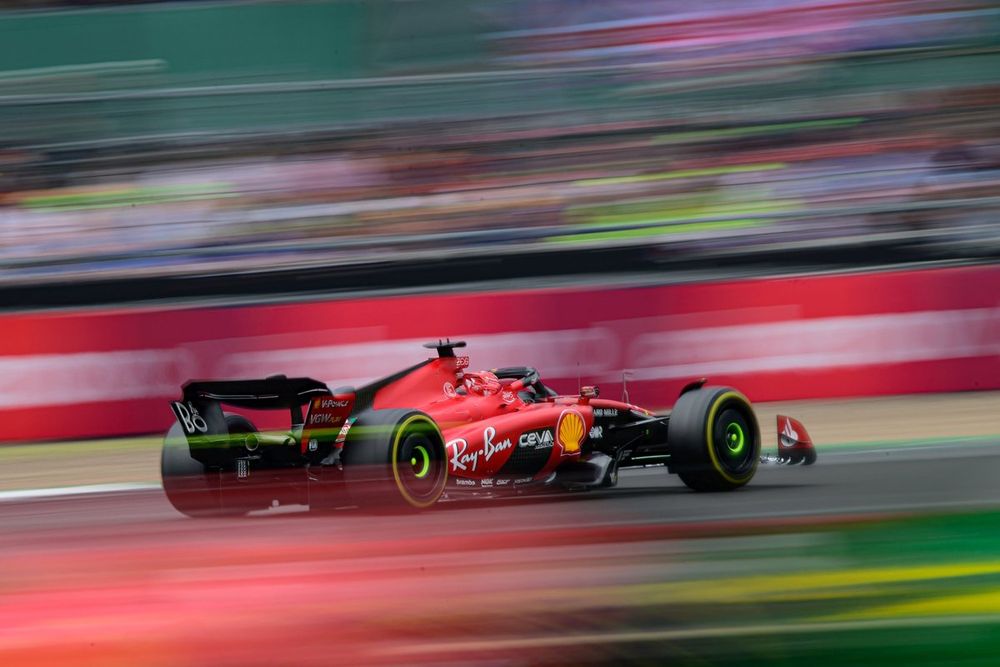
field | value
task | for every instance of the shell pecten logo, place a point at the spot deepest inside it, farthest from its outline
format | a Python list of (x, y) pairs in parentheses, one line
[(570, 432)]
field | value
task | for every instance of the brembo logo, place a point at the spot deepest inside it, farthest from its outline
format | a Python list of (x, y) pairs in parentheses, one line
[(570, 431)]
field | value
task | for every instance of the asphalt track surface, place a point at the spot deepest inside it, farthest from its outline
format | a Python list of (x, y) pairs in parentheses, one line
[(107, 578), (856, 481)]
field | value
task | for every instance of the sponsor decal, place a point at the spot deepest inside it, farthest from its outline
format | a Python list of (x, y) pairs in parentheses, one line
[(313, 445), (342, 436), (503, 482), (191, 421), (460, 481), (486, 483), (323, 418), (508, 397), (326, 412), (461, 362), (571, 429), (463, 459), (942, 319), (459, 457), (242, 469), (523, 480), (330, 403), (449, 390), (605, 412), (489, 449), (597, 432), (789, 436), (537, 439)]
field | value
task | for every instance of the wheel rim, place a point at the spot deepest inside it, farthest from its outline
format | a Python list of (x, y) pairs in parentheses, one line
[(735, 438), (420, 466), (420, 461), (734, 441)]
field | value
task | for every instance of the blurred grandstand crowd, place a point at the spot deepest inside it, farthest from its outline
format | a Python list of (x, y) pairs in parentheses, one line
[(510, 125)]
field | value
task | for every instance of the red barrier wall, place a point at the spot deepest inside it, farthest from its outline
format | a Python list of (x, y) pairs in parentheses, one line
[(103, 373)]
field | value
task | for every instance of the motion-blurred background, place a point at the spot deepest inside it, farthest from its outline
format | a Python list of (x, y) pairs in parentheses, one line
[(193, 139), (796, 197)]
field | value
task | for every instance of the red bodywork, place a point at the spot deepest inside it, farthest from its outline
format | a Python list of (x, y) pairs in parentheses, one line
[(483, 434), (498, 433)]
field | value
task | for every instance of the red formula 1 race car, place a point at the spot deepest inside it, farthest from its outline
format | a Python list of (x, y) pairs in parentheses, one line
[(438, 429)]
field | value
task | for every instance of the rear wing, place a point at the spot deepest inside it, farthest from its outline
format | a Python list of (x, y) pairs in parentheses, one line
[(271, 393), (200, 410), (203, 421)]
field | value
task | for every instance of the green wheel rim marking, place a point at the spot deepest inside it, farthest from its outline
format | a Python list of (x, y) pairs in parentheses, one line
[(424, 460), (735, 438)]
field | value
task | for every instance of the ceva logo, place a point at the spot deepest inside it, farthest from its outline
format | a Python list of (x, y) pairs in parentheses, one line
[(570, 431)]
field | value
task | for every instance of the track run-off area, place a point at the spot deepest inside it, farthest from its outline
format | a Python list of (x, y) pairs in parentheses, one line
[(886, 551)]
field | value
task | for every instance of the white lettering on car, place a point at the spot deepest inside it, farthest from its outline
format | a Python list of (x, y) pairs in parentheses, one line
[(322, 418), (459, 459), (463, 459), (191, 420), (536, 439), (596, 432), (489, 449)]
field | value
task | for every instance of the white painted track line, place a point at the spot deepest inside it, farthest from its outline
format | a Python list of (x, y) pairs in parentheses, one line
[(60, 491)]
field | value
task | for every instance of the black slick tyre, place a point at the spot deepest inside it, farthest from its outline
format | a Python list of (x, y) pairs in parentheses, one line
[(191, 488), (395, 460), (714, 439)]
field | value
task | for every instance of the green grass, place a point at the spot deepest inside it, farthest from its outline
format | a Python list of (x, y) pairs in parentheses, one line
[(48, 450), (681, 173), (758, 130)]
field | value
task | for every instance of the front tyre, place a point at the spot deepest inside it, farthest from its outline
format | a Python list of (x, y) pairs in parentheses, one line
[(395, 459), (714, 439)]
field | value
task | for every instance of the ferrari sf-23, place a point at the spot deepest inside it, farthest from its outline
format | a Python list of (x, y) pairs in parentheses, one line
[(440, 430)]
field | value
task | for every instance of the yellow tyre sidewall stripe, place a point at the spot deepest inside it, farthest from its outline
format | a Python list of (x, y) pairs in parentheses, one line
[(397, 439), (710, 442)]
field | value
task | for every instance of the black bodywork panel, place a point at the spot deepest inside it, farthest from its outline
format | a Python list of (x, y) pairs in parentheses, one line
[(204, 422)]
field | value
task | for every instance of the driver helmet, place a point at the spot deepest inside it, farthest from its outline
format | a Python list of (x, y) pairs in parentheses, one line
[(482, 383)]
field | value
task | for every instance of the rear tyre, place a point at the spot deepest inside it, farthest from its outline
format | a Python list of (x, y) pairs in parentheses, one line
[(395, 459), (192, 489), (714, 439)]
